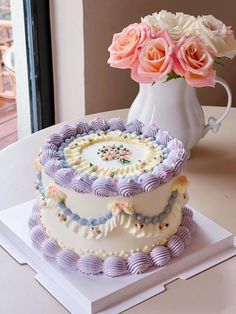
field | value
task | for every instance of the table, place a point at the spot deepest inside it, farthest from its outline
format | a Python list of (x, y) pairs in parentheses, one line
[(212, 174)]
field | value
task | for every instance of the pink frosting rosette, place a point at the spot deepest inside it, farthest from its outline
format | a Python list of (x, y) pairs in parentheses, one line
[(194, 61), (124, 47)]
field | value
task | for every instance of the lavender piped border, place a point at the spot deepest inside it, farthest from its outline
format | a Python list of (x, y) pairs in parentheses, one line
[(112, 266), (173, 152)]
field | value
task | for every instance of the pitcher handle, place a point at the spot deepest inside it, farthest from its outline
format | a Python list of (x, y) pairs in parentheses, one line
[(214, 123)]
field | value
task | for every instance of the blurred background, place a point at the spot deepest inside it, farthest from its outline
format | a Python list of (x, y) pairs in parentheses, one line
[(8, 119)]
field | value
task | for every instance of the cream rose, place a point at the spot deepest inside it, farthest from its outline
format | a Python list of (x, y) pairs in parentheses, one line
[(151, 21), (177, 25), (216, 35)]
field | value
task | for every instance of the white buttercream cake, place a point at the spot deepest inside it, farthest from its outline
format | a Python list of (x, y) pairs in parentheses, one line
[(111, 198)]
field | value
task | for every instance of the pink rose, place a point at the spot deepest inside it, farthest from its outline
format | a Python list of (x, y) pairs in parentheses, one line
[(124, 47), (155, 59), (52, 191), (194, 61)]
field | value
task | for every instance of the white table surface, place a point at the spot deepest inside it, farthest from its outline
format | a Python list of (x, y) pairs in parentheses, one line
[(212, 173)]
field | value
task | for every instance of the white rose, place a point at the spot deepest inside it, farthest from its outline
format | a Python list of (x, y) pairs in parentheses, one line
[(151, 21), (177, 25), (216, 35)]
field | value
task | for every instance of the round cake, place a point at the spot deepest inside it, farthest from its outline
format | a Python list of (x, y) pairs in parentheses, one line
[(110, 197)]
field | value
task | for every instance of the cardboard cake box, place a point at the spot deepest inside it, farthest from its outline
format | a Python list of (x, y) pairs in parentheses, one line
[(81, 294)]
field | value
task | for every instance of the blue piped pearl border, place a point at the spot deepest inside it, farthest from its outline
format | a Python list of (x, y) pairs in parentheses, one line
[(108, 215)]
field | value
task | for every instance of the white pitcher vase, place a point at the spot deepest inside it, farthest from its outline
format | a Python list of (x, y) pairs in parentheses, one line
[(174, 106)]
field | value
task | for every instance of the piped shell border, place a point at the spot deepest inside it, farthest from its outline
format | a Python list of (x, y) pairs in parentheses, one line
[(112, 266)]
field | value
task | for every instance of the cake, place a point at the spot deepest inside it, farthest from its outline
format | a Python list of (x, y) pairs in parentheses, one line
[(110, 198)]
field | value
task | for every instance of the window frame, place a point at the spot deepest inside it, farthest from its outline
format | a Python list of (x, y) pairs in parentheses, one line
[(39, 60)]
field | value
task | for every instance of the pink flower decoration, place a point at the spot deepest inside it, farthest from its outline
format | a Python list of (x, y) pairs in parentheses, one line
[(194, 61), (155, 59), (119, 207), (124, 47), (164, 173), (52, 191)]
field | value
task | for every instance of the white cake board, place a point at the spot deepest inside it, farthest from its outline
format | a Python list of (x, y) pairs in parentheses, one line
[(80, 294)]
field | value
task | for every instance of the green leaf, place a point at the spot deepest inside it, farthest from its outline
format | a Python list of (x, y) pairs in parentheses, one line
[(112, 174), (125, 161), (169, 77), (172, 75)]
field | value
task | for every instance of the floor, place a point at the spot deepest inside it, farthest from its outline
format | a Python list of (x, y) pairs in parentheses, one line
[(8, 122)]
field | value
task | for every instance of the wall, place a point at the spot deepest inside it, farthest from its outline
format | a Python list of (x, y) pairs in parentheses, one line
[(108, 88), (68, 58)]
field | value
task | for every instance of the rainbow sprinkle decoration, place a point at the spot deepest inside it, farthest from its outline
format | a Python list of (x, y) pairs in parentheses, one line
[(115, 152)]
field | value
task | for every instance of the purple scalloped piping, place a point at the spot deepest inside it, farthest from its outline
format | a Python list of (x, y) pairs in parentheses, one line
[(35, 208), (98, 124), (116, 124), (115, 266), (50, 248), (149, 181), (47, 155), (164, 173), (82, 127), (82, 183), (175, 160), (128, 188), (150, 130), (160, 255), (90, 264), (67, 131), (38, 234), (64, 176), (55, 139), (49, 146), (34, 220), (175, 144), (112, 266), (134, 126), (189, 223), (163, 137), (67, 259), (176, 245), (185, 235), (52, 166), (104, 187), (186, 211), (139, 262)]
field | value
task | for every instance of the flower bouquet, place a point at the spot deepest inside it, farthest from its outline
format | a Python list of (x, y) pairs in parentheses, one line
[(167, 45)]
